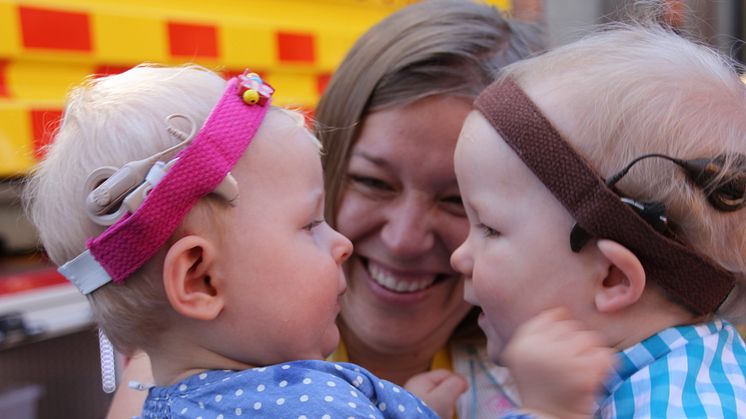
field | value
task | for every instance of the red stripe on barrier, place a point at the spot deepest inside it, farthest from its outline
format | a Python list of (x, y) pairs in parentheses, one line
[(296, 47), (309, 116), (54, 29), (191, 40), (322, 80), (31, 280), (44, 124), (4, 92), (108, 70)]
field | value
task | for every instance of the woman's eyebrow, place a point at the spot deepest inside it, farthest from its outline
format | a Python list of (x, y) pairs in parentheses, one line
[(378, 161)]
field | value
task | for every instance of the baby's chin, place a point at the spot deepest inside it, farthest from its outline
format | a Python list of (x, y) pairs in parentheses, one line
[(331, 342)]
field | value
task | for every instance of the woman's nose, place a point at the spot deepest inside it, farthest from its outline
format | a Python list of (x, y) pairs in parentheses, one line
[(408, 231)]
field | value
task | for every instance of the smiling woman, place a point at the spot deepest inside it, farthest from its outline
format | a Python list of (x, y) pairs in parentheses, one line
[(405, 219), (389, 121)]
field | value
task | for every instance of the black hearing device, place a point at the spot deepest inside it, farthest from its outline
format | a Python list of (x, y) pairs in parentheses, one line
[(724, 186)]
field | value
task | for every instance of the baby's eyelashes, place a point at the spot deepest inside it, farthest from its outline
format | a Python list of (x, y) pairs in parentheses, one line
[(313, 224), (487, 231)]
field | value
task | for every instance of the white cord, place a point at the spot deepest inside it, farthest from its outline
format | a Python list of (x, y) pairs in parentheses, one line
[(108, 363)]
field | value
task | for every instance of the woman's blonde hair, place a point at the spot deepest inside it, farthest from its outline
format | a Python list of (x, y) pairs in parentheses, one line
[(451, 48), (634, 89), (110, 121)]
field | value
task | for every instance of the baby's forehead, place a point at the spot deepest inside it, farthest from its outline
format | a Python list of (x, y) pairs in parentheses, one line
[(478, 138), (481, 140), (558, 105), (281, 149), (482, 151)]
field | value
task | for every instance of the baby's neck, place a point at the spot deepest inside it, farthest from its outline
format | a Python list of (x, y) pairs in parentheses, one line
[(654, 314), (171, 365), (397, 367)]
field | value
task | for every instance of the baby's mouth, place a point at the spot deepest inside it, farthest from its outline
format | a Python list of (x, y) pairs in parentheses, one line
[(395, 283)]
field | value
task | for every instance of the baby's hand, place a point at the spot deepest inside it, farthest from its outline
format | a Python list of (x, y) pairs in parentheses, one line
[(439, 389), (558, 365)]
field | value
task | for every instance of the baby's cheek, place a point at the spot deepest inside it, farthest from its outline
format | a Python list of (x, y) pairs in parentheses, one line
[(469, 293)]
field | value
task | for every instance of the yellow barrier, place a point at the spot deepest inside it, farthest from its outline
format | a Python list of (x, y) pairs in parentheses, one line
[(47, 46)]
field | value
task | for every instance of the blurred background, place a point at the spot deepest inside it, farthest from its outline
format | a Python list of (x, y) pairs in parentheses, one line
[(49, 362)]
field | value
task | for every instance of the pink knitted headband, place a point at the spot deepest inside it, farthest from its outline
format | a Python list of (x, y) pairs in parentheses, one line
[(689, 277), (197, 170)]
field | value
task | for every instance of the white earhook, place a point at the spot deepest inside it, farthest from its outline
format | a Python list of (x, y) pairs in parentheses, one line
[(179, 133)]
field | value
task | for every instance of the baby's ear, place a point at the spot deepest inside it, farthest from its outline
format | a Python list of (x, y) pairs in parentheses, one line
[(187, 278), (625, 281)]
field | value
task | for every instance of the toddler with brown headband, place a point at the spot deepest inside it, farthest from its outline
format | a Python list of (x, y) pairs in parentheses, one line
[(606, 178)]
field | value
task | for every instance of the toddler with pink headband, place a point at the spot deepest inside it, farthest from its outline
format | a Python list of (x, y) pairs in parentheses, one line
[(190, 212)]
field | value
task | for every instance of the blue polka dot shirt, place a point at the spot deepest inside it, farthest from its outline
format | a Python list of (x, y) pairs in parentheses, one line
[(298, 390)]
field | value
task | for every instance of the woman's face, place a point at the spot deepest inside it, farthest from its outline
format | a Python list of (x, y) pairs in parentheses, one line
[(402, 210)]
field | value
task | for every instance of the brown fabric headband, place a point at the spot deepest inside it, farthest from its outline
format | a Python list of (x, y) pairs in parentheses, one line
[(688, 276)]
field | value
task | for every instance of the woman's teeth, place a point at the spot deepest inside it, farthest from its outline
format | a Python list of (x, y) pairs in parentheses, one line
[(390, 282)]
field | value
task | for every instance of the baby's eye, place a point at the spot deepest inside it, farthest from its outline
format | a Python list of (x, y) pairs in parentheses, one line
[(371, 182), (313, 224), (487, 230)]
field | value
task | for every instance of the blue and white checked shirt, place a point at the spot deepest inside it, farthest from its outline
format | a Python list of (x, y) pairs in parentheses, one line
[(682, 372)]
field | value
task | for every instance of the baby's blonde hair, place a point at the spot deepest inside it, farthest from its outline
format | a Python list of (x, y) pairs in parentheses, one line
[(110, 121), (637, 89)]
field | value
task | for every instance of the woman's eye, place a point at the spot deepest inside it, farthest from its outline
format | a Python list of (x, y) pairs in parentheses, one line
[(454, 205), (487, 231), (371, 182), (455, 200), (313, 224)]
